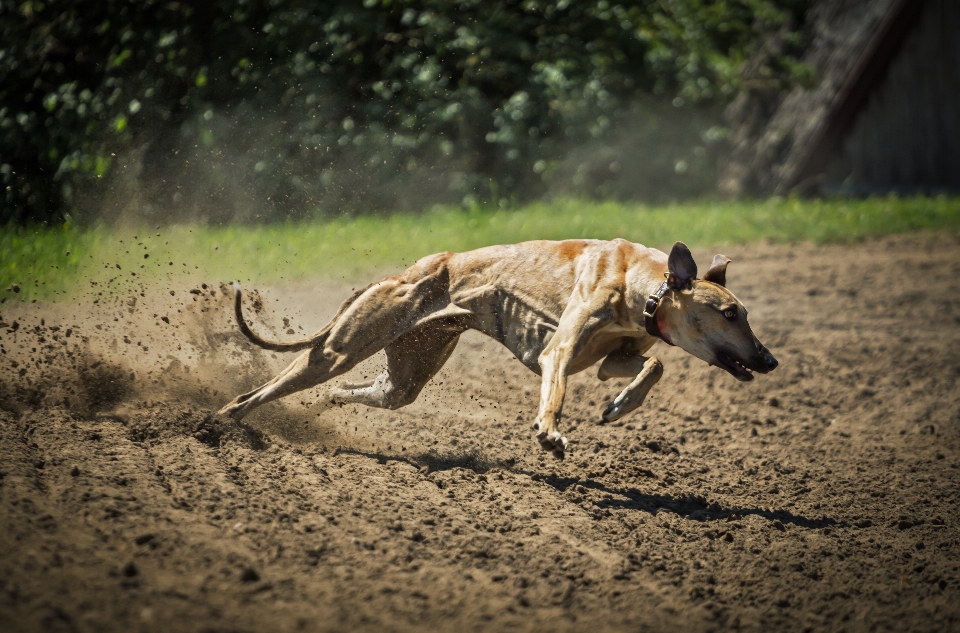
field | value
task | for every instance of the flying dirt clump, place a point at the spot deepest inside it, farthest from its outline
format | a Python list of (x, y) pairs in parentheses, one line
[(54, 366), (130, 345)]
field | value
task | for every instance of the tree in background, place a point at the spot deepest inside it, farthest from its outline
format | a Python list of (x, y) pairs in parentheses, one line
[(250, 110)]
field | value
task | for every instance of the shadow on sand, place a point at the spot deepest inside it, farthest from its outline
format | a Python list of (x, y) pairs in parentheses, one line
[(433, 461), (692, 507)]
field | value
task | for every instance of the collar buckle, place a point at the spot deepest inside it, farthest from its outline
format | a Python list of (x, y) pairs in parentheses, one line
[(650, 311), (650, 308)]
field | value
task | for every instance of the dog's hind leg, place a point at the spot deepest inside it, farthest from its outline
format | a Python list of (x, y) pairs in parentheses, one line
[(370, 321), (636, 392), (309, 369), (412, 360)]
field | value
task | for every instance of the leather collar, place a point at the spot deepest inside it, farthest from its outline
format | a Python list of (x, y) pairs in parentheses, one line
[(650, 312)]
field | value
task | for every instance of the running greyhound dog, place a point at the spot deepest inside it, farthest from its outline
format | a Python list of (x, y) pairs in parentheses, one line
[(558, 306)]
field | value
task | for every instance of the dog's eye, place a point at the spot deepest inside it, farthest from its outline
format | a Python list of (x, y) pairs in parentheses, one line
[(730, 314)]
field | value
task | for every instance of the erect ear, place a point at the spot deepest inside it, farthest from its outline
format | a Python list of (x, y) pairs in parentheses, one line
[(682, 268), (718, 270)]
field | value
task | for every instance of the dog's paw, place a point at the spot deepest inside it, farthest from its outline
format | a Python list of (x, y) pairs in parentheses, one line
[(232, 411), (614, 410), (553, 442), (330, 400)]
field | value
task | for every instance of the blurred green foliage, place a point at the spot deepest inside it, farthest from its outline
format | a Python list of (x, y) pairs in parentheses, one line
[(259, 110), (63, 261)]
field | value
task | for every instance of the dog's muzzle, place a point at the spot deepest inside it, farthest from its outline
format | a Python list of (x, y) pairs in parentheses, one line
[(742, 371), (769, 361)]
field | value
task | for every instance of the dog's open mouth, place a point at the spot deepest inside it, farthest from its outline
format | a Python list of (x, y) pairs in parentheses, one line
[(735, 367)]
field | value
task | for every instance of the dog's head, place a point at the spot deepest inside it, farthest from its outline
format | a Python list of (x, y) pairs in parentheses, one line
[(705, 319)]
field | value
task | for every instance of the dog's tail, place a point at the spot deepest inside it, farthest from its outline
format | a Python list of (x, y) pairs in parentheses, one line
[(276, 346)]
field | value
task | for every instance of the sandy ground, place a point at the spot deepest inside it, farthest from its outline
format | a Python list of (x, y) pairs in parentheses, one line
[(823, 496)]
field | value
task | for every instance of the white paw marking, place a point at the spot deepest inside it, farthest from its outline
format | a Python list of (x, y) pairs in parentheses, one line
[(612, 413), (552, 442)]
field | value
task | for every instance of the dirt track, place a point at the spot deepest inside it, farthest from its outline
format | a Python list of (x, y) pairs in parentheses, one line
[(823, 496)]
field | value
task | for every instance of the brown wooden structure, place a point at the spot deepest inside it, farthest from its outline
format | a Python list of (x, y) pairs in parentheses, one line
[(884, 115)]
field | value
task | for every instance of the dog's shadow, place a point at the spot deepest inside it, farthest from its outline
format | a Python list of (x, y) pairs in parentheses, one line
[(692, 507), (434, 461)]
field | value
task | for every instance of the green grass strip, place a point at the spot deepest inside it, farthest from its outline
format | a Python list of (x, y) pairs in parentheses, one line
[(49, 262)]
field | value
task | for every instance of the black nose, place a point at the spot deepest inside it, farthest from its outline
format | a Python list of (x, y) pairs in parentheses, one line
[(770, 362)]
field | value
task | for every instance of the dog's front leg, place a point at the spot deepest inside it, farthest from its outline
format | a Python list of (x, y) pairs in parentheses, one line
[(552, 391), (636, 392), (577, 325)]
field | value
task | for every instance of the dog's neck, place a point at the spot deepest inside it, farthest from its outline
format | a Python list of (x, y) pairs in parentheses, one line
[(644, 286)]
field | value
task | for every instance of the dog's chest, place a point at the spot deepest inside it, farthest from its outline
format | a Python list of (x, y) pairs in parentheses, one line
[(606, 340)]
